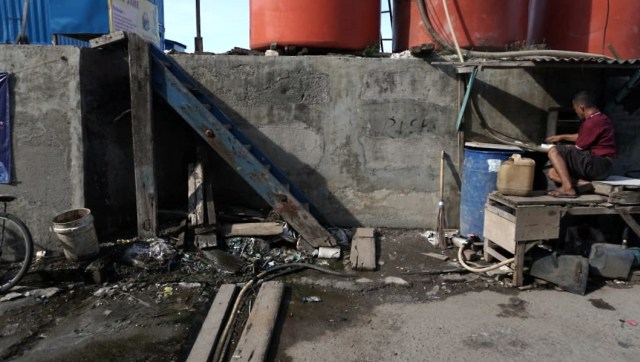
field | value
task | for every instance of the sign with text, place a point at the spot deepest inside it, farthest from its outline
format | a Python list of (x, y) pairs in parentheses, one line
[(135, 16)]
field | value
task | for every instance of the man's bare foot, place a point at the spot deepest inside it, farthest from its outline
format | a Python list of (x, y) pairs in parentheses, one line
[(570, 194)]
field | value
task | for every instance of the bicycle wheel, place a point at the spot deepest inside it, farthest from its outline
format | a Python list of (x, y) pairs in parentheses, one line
[(16, 250)]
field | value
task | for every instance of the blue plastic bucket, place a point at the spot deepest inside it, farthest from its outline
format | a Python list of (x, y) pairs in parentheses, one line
[(479, 175)]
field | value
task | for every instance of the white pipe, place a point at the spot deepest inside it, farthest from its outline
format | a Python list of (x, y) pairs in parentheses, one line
[(480, 270)]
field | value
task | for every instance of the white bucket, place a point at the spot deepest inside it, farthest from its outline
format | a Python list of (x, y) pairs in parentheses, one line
[(75, 230)]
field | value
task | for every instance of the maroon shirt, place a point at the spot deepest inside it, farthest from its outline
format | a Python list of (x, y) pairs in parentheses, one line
[(596, 136)]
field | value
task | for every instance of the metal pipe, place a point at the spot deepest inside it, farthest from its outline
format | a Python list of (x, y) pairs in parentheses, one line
[(22, 39), (198, 38)]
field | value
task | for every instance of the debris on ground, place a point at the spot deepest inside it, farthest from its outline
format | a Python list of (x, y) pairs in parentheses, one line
[(312, 299)]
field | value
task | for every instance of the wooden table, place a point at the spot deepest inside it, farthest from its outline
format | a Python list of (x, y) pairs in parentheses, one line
[(514, 224)]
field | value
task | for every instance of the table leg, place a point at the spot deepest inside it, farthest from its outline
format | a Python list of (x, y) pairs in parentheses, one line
[(518, 264)]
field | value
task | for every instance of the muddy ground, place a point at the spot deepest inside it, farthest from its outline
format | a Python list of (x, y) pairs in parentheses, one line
[(153, 312)]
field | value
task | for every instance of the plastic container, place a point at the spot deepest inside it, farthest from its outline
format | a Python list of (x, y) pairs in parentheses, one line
[(611, 261), (328, 24), (77, 234), (515, 176), (479, 176), (587, 26), (478, 24)]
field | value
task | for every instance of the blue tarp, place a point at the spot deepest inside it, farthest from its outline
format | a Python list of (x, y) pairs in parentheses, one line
[(5, 130)]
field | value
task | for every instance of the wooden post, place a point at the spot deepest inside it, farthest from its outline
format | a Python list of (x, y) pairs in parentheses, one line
[(142, 130)]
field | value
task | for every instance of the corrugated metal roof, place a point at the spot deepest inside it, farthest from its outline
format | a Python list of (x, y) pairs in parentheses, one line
[(582, 60)]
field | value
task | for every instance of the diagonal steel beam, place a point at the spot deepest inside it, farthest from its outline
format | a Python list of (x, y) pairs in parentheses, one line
[(257, 175)]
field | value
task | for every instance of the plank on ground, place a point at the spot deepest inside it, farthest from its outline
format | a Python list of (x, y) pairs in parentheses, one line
[(256, 336), (252, 229), (202, 349), (363, 250)]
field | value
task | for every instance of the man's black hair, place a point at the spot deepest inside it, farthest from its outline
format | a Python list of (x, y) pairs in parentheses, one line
[(585, 98)]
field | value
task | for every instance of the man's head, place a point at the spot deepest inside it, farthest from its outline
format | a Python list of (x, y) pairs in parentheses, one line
[(584, 104)]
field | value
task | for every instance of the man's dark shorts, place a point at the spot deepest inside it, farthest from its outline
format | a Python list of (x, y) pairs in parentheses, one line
[(583, 165)]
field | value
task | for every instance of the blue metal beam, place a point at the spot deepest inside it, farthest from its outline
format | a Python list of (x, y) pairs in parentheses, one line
[(175, 86)]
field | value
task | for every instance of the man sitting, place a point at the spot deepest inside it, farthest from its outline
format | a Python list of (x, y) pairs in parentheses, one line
[(590, 158)]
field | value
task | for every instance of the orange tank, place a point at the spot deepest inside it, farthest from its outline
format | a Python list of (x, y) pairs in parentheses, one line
[(478, 24), (330, 24), (587, 26)]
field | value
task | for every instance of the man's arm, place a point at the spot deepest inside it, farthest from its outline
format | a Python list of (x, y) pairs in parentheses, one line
[(572, 137)]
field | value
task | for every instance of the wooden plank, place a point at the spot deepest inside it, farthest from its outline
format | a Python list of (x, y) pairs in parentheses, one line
[(633, 224), (537, 223), (209, 334), (195, 193), (108, 39), (363, 252), (253, 345), (625, 198), (252, 229), (502, 213), (143, 142), (605, 189), (207, 175), (226, 144), (515, 201), (500, 230), (364, 233), (436, 256), (490, 252), (518, 267)]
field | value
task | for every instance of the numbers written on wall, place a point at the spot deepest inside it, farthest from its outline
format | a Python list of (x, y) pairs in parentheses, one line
[(393, 127)]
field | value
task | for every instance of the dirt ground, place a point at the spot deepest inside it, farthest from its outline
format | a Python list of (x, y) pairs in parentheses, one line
[(154, 312)]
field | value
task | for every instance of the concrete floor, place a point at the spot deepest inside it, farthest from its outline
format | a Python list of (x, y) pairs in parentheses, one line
[(540, 325)]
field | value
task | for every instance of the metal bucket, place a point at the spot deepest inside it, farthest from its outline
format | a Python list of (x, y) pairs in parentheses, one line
[(75, 230)]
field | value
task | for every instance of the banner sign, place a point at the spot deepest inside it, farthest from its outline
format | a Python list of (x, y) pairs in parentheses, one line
[(5, 130), (135, 16)]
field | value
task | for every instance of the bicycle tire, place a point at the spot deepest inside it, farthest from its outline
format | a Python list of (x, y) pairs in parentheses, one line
[(16, 250)]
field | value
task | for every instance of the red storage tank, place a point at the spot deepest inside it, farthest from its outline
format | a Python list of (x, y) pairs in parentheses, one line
[(334, 24), (587, 26), (478, 24)]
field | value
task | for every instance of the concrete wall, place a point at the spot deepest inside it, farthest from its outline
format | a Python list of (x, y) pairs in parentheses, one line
[(361, 137), (48, 172)]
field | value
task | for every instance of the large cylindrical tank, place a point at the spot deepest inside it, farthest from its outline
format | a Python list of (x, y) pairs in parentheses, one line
[(479, 175), (587, 26), (478, 24), (329, 24)]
